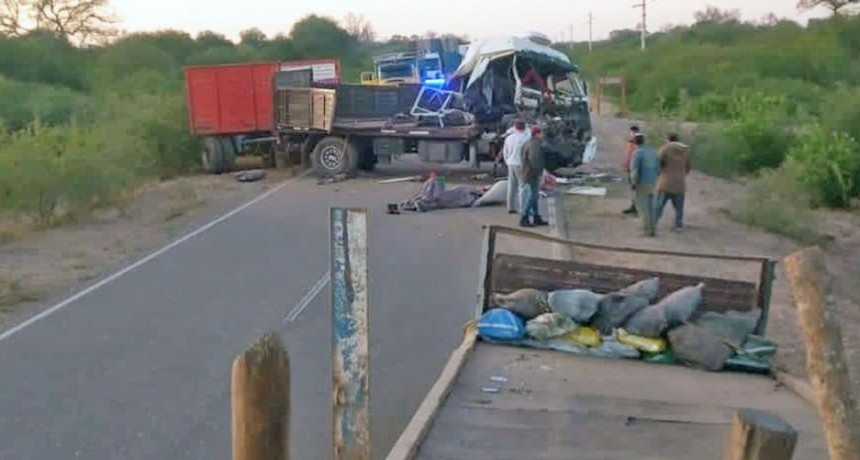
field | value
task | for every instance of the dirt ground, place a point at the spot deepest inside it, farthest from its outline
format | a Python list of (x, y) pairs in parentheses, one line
[(39, 265), (709, 230)]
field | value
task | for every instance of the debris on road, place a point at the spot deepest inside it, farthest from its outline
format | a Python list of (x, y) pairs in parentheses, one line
[(401, 179), (332, 179), (253, 175), (588, 191)]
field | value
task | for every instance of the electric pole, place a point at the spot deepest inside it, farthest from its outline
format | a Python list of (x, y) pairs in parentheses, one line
[(590, 30), (571, 38), (643, 27)]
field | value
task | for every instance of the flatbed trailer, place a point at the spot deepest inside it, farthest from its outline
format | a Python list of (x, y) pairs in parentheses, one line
[(339, 130), (558, 405)]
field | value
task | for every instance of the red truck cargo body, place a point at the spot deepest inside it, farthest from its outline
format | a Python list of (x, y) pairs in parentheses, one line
[(237, 98)]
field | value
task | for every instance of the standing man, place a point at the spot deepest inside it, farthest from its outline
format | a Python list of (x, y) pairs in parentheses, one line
[(512, 152), (628, 158), (644, 170), (533, 166), (672, 184)]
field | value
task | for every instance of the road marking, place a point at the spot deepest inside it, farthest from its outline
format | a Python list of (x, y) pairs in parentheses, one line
[(308, 298), (104, 282)]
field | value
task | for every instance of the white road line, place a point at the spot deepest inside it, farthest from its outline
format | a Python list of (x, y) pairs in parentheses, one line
[(308, 298), (104, 282)]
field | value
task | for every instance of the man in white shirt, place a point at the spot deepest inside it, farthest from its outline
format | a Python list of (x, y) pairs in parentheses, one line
[(512, 152)]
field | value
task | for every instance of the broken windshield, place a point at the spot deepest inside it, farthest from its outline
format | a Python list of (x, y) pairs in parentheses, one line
[(569, 84)]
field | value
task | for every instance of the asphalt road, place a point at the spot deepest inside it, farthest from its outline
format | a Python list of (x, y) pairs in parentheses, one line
[(140, 367)]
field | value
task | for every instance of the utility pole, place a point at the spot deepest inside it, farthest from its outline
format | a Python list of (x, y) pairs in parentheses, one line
[(590, 30), (643, 27), (571, 38)]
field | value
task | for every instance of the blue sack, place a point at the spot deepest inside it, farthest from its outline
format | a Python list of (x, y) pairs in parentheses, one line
[(501, 324)]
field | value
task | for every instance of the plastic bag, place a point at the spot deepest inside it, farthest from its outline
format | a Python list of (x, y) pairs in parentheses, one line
[(699, 347), (503, 325), (648, 289), (648, 322), (667, 357), (528, 303), (585, 336), (579, 305), (732, 326), (497, 194), (549, 326), (645, 344), (680, 305), (615, 309), (611, 348)]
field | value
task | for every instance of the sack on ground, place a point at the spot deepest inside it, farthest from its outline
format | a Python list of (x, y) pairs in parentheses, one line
[(585, 336), (497, 194), (528, 303), (698, 347), (648, 289), (648, 322), (549, 326), (680, 305), (501, 324), (579, 305), (645, 344), (732, 326), (615, 309), (611, 348)]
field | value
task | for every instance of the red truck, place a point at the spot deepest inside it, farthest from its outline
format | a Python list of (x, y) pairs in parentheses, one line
[(232, 106)]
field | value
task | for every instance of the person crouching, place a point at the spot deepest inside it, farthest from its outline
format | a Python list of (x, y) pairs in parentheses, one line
[(533, 167)]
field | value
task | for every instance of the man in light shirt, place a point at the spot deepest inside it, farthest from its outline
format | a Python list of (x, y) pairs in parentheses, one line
[(512, 152)]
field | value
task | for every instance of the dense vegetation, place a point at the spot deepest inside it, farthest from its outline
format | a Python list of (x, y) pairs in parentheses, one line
[(79, 125), (771, 98)]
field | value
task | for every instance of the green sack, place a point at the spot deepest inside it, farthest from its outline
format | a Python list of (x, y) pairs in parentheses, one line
[(754, 357), (666, 357)]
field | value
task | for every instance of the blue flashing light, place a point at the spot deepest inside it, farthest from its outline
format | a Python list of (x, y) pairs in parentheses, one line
[(438, 82)]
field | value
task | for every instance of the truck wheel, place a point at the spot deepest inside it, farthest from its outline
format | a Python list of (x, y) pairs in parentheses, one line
[(228, 158), (212, 156), (334, 155)]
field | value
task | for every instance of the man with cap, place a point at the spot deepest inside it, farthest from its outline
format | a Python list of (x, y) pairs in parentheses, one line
[(533, 166)]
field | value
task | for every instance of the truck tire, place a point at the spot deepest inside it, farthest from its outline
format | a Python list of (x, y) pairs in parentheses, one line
[(334, 155), (212, 155), (228, 153)]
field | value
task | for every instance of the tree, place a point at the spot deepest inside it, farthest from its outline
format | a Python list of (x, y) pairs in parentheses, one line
[(359, 28), (254, 38), (82, 21), (715, 15), (837, 7), (320, 37)]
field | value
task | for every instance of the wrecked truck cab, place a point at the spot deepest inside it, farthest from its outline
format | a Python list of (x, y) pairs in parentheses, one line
[(523, 77)]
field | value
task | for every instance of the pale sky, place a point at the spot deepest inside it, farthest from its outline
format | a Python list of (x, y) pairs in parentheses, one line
[(477, 18)]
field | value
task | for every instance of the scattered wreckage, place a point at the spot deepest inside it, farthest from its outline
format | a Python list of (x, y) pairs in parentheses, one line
[(343, 128)]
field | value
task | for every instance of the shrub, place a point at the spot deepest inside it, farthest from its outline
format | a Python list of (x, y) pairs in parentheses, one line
[(762, 130), (713, 151), (777, 202), (829, 165)]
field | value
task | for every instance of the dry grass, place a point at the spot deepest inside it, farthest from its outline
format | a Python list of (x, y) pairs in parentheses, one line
[(10, 232), (185, 199), (14, 292)]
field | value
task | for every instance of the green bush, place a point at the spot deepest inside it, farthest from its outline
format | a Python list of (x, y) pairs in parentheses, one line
[(714, 150), (829, 165), (776, 201), (51, 171), (24, 102), (761, 130)]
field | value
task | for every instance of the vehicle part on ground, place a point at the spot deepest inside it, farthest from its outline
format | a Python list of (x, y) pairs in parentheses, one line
[(335, 155)]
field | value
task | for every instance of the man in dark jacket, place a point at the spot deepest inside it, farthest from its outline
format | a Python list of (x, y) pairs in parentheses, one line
[(672, 183), (533, 166)]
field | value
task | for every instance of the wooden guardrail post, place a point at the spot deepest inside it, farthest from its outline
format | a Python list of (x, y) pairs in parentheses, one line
[(825, 358), (760, 435), (260, 400), (350, 350)]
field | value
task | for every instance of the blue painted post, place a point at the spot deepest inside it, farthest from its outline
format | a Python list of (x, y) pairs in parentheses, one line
[(350, 350)]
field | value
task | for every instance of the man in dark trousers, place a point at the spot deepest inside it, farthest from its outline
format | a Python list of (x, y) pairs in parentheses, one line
[(672, 183), (625, 164), (533, 166)]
